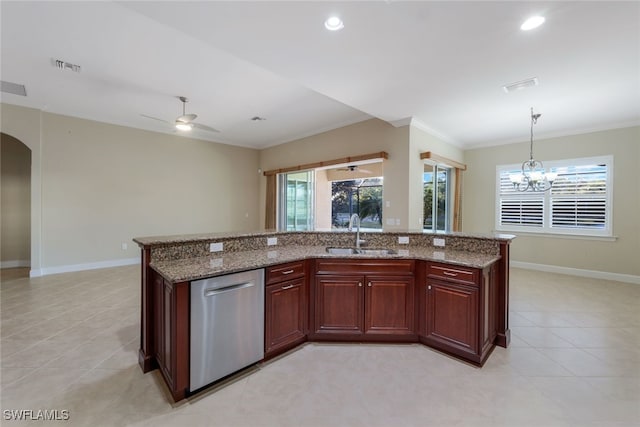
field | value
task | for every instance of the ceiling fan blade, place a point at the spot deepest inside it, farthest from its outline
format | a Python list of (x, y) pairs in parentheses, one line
[(186, 118), (204, 127), (155, 118)]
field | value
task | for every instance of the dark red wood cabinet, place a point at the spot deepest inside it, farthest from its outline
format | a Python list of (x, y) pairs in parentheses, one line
[(171, 333), (457, 310), (286, 307), (368, 300)]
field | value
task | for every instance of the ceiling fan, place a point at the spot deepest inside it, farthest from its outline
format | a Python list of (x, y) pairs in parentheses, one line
[(185, 122), (354, 168)]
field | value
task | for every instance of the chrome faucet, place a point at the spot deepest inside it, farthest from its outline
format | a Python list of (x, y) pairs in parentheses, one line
[(356, 219)]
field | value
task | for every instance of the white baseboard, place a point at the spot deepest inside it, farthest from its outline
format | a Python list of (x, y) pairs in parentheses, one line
[(15, 263), (81, 267), (606, 275)]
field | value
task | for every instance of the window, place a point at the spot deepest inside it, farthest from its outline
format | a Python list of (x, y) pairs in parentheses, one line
[(361, 196), (578, 203), (296, 201), (436, 181)]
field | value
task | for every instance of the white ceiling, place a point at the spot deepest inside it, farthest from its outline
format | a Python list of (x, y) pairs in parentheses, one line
[(440, 64)]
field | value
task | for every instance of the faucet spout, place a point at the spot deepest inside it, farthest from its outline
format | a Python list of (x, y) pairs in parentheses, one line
[(355, 219)]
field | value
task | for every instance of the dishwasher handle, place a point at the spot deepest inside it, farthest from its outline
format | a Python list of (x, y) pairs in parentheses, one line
[(216, 291)]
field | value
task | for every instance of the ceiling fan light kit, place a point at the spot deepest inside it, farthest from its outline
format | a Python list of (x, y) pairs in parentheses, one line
[(180, 125), (185, 122)]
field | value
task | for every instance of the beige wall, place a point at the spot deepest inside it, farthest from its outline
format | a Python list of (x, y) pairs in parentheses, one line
[(323, 201), (102, 185), (15, 206), (366, 137), (620, 256)]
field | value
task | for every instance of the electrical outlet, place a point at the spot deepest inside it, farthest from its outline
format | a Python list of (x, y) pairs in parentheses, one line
[(397, 221), (438, 242), (403, 240), (216, 263), (124, 246), (391, 221), (216, 247), (272, 241)]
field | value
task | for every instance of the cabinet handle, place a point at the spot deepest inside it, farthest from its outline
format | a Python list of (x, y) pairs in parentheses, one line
[(287, 287), (360, 284), (448, 273), (287, 272), (429, 287), (369, 284)]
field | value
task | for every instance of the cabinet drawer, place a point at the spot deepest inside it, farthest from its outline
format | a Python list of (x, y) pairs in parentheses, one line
[(453, 273), (365, 266), (282, 272)]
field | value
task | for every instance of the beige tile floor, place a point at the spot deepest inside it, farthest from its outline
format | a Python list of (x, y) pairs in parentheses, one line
[(69, 342)]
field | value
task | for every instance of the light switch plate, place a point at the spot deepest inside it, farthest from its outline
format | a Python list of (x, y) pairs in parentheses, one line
[(216, 247), (272, 241), (438, 242), (403, 240)]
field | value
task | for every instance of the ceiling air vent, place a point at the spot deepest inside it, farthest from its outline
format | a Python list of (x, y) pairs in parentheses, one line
[(520, 85), (13, 88), (63, 65)]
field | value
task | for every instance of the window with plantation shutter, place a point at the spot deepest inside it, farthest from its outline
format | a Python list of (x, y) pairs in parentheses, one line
[(578, 203)]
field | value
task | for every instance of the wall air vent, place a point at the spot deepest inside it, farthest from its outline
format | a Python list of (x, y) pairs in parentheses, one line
[(63, 65), (520, 85), (13, 88)]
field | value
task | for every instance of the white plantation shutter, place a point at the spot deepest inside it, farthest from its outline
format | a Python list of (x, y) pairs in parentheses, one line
[(517, 208), (522, 212), (579, 197), (578, 203)]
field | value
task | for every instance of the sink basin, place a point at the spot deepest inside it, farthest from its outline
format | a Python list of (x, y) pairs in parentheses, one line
[(361, 251), (342, 251), (377, 251)]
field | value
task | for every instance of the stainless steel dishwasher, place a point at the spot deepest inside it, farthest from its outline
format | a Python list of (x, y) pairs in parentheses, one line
[(227, 325)]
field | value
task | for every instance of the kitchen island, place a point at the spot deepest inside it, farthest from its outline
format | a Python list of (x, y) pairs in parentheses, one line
[(452, 298)]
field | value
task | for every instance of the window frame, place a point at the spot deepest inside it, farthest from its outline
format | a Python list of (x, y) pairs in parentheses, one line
[(547, 197)]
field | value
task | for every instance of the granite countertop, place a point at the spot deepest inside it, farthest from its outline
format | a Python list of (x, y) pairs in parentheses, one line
[(189, 269), (190, 238)]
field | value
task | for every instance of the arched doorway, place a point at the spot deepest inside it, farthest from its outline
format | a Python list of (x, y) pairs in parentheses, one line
[(15, 207)]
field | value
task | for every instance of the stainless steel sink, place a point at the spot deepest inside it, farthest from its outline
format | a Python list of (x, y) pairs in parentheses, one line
[(361, 251)]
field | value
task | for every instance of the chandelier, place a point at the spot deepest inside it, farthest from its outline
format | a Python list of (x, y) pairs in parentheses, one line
[(533, 176)]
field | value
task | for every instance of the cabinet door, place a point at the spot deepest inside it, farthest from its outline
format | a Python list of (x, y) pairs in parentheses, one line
[(162, 320), (452, 316), (339, 305), (285, 314), (389, 305)]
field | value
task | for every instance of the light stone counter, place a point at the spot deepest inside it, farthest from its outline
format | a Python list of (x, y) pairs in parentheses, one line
[(188, 269)]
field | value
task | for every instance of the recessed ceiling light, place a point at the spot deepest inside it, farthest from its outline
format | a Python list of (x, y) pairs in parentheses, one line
[(334, 24), (531, 23)]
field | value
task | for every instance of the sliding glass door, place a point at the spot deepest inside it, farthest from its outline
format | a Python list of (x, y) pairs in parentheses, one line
[(436, 182), (296, 201)]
